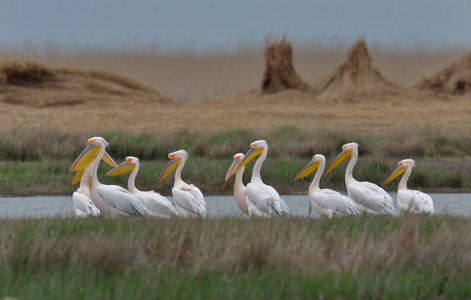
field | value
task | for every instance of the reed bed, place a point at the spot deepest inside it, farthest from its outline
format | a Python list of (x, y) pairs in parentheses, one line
[(290, 258)]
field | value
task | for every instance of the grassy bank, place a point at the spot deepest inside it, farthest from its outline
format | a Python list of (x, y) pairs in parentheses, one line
[(364, 257), (37, 162)]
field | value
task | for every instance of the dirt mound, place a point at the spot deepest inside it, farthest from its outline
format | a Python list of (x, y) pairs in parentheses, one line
[(36, 85), (279, 72), (356, 78), (454, 79)]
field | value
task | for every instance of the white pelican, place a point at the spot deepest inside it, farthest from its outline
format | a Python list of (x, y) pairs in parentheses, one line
[(83, 205), (262, 199), (367, 196), (325, 202), (188, 199), (111, 200), (157, 205), (410, 200), (239, 187)]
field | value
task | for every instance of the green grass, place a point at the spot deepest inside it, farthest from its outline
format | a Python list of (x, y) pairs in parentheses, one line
[(51, 178), (35, 163), (294, 258)]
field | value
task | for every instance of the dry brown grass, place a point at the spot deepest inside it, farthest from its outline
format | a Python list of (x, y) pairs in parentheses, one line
[(279, 70), (357, 79), (229, 82), (33, 84), (455, 78)]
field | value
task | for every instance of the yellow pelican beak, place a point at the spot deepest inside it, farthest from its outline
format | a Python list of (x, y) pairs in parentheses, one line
[(122, 168), (231, 170), (342, 156), (171, 166), (251, 154), (78, 175), (399, 171), (308, 169), (87, 156)]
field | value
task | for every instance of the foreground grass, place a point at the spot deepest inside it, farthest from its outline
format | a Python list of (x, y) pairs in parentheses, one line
[(364, 257), (37, 162)]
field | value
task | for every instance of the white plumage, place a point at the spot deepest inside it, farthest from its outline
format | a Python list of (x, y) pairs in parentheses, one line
[(111, 200), (188, 199), (262, 199), (239, 188), (368, 196), (83, 205), (326, 202), (410, 200), (157, 205)]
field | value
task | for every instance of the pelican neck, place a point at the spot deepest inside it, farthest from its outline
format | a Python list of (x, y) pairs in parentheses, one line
[(258, 166), (403, 183), (132, 179), (95, 163), (317, 178), (178, 173), (351, 165)]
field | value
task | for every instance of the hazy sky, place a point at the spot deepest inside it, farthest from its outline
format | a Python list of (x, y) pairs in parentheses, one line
[(207, 24)]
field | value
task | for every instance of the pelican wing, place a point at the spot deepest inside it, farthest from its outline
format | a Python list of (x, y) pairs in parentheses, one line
[(371, 197), (190, 198), (416, 201), (157, 205), (424, 203), (122, 199), (266, 199), (84, 206), (333, 200)]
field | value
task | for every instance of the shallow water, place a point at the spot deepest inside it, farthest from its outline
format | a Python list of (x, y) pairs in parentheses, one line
[(217, 206)]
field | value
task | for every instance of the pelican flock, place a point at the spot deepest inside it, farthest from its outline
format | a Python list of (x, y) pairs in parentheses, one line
[(257, 199)]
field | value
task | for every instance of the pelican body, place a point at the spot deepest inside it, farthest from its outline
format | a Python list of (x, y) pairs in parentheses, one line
[(188, 199), (83, 205), (262, 200), (239, 187), (325, 202), (112, 200), (368, 196), (410, 200), (156, 204)]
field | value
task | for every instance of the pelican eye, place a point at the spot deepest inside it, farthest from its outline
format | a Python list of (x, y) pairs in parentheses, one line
[(129, 160), (400, 164)]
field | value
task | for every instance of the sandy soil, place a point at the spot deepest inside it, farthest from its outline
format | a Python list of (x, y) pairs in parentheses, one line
[(248, 110)]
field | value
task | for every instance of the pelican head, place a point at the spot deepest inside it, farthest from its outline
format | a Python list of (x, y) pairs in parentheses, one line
[(237, 158), (347, 150), (175, 158), (402, 166), (125, 167), (256, 148), (311, 166), (88, 154)]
